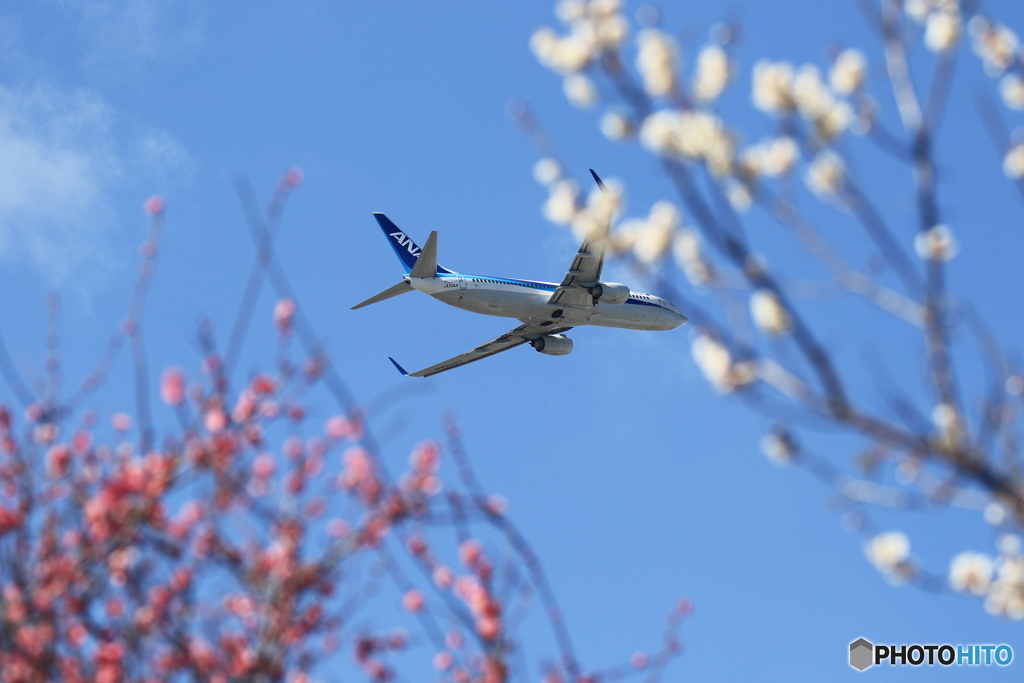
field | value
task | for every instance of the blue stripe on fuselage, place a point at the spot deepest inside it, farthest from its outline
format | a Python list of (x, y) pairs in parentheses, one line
[(642, 302), (533, 284), (548, 286)]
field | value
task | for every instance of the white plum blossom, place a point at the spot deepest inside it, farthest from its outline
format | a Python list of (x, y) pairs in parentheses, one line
[(659, 131), (566, 55), (947, 420), (610, 31), (715, 361), (936, 244), (848, 72), (652, 242), (1011, 87), (942, 30), (772, 157), (826, 174), (778, 90), (616, 127), (569, 11), (593, 27), (547, 171), (544, 44), (666, 214), (994, 43), (656, 61), (651, 238), (695, 135), (781, 155), (584, 222), (816, 103), (995, 514), (600, 209), (623, 238), (773, 87), (574, 53), (778, 447), (689, 254), (580, 91), (712, 74), (604, 8), (1006, 594), (561, 204), (971, 572), (739, 195), (1013, 162), (1009, 544), (769, 314), (889, 552), (703, 136), (944, 415), (813, 98), (834, 121), (918, 10)]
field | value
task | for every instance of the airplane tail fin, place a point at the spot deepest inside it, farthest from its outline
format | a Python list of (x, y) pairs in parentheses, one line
[(401, 288), (409, 252)]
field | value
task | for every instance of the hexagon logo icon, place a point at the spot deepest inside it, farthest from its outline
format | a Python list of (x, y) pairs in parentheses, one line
[(861, 654)]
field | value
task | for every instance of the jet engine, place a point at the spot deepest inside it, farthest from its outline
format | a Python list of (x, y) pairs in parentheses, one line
[(553, 344), (610, 293)]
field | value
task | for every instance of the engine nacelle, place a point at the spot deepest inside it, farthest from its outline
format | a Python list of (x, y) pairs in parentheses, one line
[(553, 344), (610, 293)]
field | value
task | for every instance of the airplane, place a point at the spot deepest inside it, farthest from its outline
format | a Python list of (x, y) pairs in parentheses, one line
[(545, 309)]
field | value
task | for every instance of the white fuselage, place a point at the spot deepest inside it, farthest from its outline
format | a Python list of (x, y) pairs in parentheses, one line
[(527, 300)]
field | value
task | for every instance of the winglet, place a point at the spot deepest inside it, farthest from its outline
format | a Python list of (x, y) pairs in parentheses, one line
[(600, 183), (400, 368)]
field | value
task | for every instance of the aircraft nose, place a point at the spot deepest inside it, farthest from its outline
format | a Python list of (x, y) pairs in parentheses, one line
[(671, 319)]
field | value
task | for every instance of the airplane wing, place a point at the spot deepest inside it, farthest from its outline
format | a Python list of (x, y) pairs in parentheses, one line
[(586, 266), (517, 337)]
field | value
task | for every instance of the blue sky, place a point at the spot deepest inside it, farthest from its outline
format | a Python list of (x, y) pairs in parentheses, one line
[(634, 480)]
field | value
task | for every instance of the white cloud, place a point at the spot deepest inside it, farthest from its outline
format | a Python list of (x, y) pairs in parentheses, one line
[(64, 158), (125, 35)]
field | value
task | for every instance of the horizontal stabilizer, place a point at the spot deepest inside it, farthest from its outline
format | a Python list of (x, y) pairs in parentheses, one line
[(426, 264), (401, 288)]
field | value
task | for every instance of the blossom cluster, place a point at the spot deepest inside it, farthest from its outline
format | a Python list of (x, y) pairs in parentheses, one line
[(942, 21), (218, 556), (593, 27), (764, 346), (680, 122), (232, 547), (998, 580), (999, 50)]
